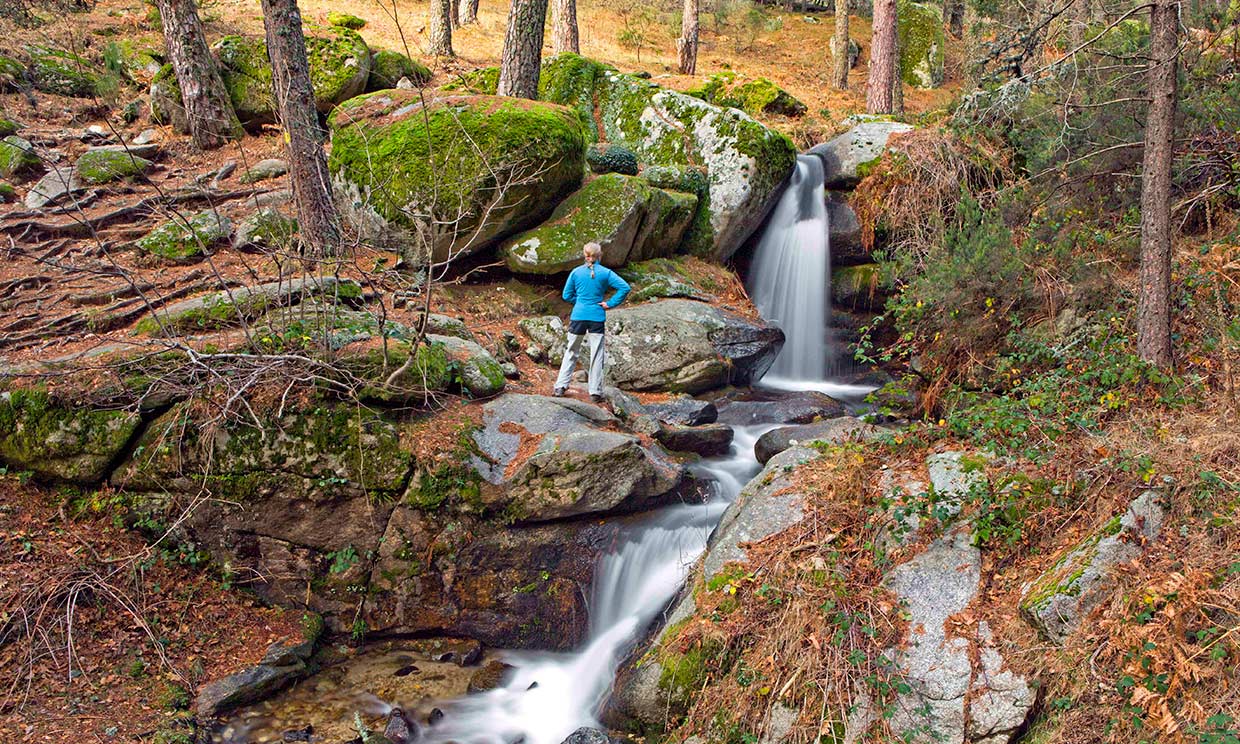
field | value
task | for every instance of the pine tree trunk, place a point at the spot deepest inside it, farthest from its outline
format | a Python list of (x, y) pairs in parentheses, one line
[(468, 12), (972, 47), (319, 226), (953, 17), (897, 80), (519, 66), (687, 44), (884, 63), (454, 13), (209, 112), (839, 46), (441, 28), (1154, 300), (564, 27)]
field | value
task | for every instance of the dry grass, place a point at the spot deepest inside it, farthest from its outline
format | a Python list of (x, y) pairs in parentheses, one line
[(804, 623)]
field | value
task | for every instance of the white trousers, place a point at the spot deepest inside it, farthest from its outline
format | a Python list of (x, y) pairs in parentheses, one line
[(570, 361)]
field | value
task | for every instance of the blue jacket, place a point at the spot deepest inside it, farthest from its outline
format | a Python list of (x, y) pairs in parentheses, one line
[(586, 293)]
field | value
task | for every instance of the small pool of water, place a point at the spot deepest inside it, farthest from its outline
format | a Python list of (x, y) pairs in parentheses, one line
[(369, 682)]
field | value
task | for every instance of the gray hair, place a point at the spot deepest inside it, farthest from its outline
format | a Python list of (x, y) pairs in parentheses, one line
[(592, 249)]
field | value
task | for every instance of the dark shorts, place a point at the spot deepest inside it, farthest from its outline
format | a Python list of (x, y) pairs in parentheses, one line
[(579, 327)]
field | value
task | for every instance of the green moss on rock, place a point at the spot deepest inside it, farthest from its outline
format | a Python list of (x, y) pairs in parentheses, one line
[(754, 97), (266, 228), (7, 192), (483, 81), (165, 100), (609, 158), (181, 240), (12, 74), (62, 73), (459, 158), (388, 67), (745, 162), (102, 166), (339, 68), (316, 450), (17, 157), (922, 44), (631, 219), (345, 20), (8, 127), (58, 440)]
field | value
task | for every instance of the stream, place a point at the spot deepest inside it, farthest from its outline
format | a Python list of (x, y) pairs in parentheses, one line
[(547, 696)]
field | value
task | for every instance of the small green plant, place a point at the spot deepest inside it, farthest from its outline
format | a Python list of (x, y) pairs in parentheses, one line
[(342, 560)]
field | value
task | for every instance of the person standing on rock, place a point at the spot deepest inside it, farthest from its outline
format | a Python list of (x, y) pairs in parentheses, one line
[(585, 288)]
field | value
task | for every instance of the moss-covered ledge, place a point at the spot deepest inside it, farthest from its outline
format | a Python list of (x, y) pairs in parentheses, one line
[(58, 440)]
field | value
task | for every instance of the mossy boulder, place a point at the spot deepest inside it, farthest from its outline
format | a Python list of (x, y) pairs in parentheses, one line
[(266, 228), (1058, 601), (165, 100), (8, 127), (663, 278), (141, 59), (17, 157), (608, 158), (62, 73), (345, 20), (754, 97), (103, 166), (12, 74), (450, 176), (442, 363), (745, 163), (184, 240), (388, 67), (231, 307), (922, 43), (628, 217), (339, 68), (60, 440), (7, 192), (484, 81)]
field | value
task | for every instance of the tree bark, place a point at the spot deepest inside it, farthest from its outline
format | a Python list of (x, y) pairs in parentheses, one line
[(454, 13), (687, 44), (441, 28), (468, 12), (953, 17), (1154, 300), (209, 113), (564, 27), (319, 225), (884, 63), (897, 83), (839, 46), (519, 66)]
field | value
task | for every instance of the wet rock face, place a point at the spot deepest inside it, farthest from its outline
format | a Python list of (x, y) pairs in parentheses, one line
[(552, 460), (515, 587), (778, 408)]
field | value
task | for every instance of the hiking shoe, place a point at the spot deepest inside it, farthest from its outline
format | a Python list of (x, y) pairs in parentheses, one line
[(560, 392)]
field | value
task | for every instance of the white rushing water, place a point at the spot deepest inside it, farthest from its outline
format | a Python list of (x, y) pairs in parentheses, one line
[(790, 279), (551, 695)]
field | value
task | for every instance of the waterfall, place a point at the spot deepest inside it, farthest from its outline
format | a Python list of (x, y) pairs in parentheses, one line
[(631, 585), (790, 280)]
